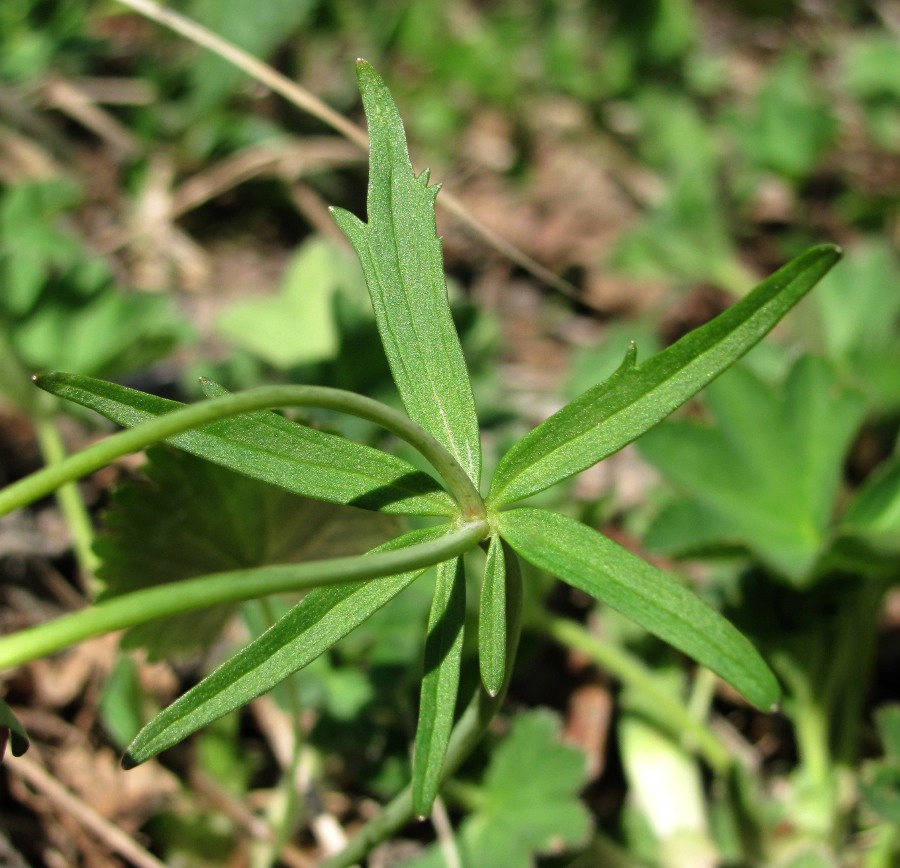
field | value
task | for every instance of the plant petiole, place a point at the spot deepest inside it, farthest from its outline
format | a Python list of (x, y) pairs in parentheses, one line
[(230, 587), (253, 400)]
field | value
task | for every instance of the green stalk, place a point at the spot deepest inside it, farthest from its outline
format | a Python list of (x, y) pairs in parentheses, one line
[(229, 587), (16, 386), (469, 730), (805, 707), (69, 499), (265, 398), (849, 670), (670, 713)]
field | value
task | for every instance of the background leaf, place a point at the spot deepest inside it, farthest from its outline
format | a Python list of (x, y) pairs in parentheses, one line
[(874, 513), (793, 123), (528, 803), (257, 28), (189, 518), (766, 476), (859, 318), (402, 258), (591, 562), (685, 236), (298, 325), (59, 305), (871, 70), (880, 782)]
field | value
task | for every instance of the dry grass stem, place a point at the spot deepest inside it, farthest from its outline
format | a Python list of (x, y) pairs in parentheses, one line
[(110, 834), (287, 160), (78, 105), (303, 99)]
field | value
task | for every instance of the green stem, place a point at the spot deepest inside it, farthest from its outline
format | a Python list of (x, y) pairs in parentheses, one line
[(849, 671), (669, 712), (804, 706), (229, 587), (265, 398), (703, 691), (69, 499), (467, 733)]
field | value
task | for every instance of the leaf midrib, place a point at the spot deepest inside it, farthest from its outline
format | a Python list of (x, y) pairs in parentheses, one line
[(635, 373), (411, 318)]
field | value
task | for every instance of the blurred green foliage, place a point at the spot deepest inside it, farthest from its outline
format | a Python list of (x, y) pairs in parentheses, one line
[(717, 113)]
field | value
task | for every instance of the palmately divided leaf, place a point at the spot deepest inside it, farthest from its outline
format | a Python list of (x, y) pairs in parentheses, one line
[(402, 259), (528, 803), (767, 474), (188, 517), (636, 397), (874, 513), (440, 683), (269, 447), (591, 562), (310, 628)]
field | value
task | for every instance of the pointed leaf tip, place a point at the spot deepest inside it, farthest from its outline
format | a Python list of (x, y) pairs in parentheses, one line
[(402, 259), (11, 732), (611, 414), (440, 684), (591, 562)]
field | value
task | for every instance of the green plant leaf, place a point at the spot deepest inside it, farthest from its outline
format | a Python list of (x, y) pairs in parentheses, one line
[(871, 72), (794, 121), (874, 513), (122, 701), (273, 449), (887, 719), (106, 335), (637, 397), (60, 306), (767, 475), (298, 325), (528, 803), (320, 619), (258, 28), (440, 683), (188, 517), (880, 787), (11, 730), (591, 562), (402, 259), (685, 236), (858, 320), (492, 619), (879, 782)]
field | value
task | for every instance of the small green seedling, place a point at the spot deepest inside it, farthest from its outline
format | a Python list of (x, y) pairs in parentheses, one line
[(401, 256)]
